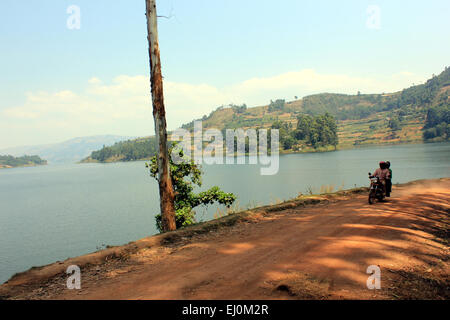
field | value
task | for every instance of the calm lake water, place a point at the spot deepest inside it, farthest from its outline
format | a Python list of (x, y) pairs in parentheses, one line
[(53, 212)]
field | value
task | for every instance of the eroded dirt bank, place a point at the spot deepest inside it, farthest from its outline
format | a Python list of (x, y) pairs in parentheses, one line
[(309, 248)]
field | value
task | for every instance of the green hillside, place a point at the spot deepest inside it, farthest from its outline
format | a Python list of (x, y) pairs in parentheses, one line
[(8, 161), (130, 150), (416, 114)]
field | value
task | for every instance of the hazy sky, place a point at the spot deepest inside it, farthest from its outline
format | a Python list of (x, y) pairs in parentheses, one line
[(57, 83)]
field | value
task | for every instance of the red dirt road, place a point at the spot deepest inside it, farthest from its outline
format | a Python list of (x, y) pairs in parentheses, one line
[(313, 252)]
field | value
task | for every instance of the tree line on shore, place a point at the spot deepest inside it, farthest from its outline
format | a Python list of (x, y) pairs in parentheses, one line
[(315, 131), (130, 150), (437, 124), (11, 161)]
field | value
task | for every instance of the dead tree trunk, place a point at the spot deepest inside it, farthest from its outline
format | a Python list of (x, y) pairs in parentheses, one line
[(166, 193)]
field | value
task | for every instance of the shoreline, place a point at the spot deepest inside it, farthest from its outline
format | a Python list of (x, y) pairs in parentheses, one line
[(39, 275), (24, 166), (51, 269), (284, 152)]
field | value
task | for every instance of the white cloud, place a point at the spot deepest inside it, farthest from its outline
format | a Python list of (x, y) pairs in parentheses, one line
[(308, 81), (123, 106), (94, 80)]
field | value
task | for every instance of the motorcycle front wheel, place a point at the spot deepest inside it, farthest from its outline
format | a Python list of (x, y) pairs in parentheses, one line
[(372, 196)]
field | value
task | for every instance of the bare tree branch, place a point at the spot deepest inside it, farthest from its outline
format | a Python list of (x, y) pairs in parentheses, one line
[(167, 17)]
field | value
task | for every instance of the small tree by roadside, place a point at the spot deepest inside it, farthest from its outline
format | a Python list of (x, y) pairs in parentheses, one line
[(185, 176)]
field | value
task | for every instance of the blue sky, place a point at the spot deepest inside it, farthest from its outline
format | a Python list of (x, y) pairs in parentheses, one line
[(57, 83)]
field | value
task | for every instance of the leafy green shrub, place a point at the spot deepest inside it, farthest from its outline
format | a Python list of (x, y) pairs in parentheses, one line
[(394, 124), (185, 176)]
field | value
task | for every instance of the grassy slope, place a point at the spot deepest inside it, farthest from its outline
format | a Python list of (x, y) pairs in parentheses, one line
[(374, 130), (370, 130)]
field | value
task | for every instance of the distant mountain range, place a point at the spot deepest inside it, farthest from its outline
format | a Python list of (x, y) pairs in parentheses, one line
[(69, 151)]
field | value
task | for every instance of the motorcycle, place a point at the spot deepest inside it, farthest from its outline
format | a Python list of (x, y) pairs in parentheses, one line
[(376, 189)]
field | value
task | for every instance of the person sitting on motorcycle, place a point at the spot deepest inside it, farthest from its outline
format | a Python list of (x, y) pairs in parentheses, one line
[(381, 173), (388, 180)]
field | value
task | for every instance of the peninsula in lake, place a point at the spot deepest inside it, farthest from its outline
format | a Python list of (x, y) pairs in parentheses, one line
[(8, 161)]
